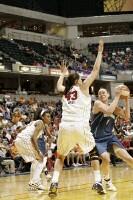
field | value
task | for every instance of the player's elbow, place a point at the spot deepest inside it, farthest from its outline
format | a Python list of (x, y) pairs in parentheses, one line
[(95, 71), (32, 139), (60, 89)]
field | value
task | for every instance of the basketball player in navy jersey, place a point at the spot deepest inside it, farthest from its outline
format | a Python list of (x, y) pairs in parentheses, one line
[(106, 142), (42, 144), (76, 105), (26, 143)]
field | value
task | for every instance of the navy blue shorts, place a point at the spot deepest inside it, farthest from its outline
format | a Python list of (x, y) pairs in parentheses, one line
[(41, 145), (106, 144)]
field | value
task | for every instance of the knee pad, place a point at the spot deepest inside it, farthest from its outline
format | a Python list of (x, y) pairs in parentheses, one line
[(94, 154)]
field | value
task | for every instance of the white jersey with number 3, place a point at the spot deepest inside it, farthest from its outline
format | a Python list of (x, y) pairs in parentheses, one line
[(76, 106)]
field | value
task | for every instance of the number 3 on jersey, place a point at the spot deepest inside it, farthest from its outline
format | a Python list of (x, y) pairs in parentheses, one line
[(71, 96)]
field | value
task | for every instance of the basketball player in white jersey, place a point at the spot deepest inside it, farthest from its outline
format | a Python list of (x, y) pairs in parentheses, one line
[(74, 127), (26, 143)]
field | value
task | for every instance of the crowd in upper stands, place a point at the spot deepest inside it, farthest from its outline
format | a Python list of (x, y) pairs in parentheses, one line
[(117, 57)]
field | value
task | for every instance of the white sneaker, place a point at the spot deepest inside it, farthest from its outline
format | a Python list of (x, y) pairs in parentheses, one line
[(74, 165), (36, 186), (48, 177), (85, 164), (110, 186), (78, 164)]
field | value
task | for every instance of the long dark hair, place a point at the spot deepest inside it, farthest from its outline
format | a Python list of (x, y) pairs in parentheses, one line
[(70, 81)]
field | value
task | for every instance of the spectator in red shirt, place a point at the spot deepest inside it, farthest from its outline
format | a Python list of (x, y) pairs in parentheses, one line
[(126, 143)]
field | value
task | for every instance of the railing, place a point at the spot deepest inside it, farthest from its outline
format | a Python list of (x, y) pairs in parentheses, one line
[(31, 36)]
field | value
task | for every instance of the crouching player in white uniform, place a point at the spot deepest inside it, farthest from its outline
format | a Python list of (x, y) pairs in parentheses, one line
[(26, 143), (74, 128)]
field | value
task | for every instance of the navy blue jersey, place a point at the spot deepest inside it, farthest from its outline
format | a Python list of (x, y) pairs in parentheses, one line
[(41, 142), (102, 125)]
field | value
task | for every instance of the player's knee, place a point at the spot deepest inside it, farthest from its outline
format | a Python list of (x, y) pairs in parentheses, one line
[(105, 157), (94, 154), (61, 158)]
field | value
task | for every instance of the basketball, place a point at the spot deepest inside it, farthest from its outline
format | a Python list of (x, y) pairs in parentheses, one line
[(125, 92)]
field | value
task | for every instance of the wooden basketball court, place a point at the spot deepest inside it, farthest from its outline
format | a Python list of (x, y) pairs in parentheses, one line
[(75, 184)]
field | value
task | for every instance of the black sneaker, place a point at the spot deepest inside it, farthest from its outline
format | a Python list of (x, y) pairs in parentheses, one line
[(99, 188), (53, 189)]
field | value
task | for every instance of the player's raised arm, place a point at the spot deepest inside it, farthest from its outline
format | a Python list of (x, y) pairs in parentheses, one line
[(88, 81), (64, 72)]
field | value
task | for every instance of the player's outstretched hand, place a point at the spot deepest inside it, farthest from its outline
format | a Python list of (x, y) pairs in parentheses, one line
[(63, 67), (118, 90), (101, 46)]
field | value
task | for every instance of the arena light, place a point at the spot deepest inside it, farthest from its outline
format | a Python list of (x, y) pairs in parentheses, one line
[(114, 5)]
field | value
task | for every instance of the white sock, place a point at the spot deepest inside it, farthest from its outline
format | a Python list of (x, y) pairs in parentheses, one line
[(44, 162), (55, 177), (97, 176), (32, 168), (36, 176)]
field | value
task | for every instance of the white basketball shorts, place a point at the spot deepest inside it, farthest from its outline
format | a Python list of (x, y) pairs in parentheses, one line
[(26, 149), (74, 133)]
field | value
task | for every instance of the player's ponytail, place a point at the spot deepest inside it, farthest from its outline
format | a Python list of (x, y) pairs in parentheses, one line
[(70, 81)]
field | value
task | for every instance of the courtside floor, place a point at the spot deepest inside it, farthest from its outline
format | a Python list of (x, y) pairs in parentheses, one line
[(75, 184)]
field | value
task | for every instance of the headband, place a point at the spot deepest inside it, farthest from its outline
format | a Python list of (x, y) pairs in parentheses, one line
[(43, 111)]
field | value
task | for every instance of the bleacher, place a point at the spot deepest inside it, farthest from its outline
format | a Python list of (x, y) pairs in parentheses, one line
[(117, 58), (14, 52)]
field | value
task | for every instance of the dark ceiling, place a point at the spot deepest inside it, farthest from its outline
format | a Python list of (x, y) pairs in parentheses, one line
[(65, 8)]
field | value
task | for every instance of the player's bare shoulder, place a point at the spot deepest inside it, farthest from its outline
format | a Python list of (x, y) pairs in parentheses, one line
[(38, 123), (96, 106), (97, 103)]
